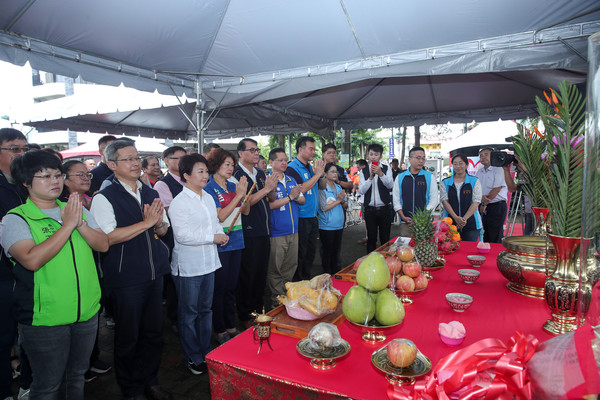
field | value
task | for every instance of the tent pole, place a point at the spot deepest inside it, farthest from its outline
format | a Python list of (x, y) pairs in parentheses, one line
[(199, 117)]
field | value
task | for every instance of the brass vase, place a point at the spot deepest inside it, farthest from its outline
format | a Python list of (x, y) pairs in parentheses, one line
[(542, 225), (562, 287)]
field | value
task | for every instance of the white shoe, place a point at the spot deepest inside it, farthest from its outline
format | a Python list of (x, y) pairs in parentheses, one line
[(23, 394)]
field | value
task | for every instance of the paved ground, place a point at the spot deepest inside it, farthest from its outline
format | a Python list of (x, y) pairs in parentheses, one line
[(173, 376)]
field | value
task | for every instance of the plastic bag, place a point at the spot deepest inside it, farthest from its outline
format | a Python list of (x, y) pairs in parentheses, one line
[(316, 296)]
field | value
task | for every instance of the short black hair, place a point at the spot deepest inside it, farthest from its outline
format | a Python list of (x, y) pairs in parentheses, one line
[(105, 140), (55, 152), (9, 134), (145, 161), (111, 152), (187, 162), (376, 147), (23, 168), (172, 150), (395, 160), (329, 165), (485, 148), (66, 168), (329, 146), (273, 153), (362, 162), (301, 142), (242, 144), (209, 146), (416, 148), (34, 146), (462, 157)]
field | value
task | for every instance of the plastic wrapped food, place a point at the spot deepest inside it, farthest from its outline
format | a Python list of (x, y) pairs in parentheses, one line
[(316, 296), (324, 335), (567, 366)]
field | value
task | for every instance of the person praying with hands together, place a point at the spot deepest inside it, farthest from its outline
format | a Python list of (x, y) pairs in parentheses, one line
[(284, 202), (50, 243)]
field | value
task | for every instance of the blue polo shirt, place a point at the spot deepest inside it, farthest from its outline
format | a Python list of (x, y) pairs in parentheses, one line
[(302, 173)]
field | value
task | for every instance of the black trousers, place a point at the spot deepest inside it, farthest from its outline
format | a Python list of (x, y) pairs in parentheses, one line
[(331, 242), (377, 219), (250, 289), (308, 231), (493, 222), (137, 311)]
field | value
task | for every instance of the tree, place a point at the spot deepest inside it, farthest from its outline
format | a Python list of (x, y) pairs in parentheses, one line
[(417, 136), (360, 140)]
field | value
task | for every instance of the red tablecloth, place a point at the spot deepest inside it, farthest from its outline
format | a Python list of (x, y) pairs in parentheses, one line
[(495, 312)]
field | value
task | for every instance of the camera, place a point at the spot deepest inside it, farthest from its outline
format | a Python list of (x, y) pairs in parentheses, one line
[(501, 158)]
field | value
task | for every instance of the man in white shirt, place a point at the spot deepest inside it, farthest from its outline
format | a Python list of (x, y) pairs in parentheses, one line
[(375, 184), (133, 217), (493, 201)]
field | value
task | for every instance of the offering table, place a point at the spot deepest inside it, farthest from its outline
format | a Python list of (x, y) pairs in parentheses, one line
[(236, 371)]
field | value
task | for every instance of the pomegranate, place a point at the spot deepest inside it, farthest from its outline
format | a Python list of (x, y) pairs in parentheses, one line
[(421, 282), (357, 262), (394, 265), (412, 269), (405, 283), (405, 254)]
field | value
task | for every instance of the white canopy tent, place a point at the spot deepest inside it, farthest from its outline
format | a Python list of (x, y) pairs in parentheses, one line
[(272, 66)]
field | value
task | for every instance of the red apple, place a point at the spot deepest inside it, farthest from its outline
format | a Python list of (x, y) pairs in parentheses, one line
[(357, 262), (405, 283), (421, 282), (412, 269), (405, 254), (394, 265), (401, 352)]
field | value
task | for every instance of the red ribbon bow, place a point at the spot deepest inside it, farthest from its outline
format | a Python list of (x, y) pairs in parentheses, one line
[(487, 369)]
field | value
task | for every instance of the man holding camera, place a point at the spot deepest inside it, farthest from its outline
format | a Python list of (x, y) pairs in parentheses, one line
[(493, 201)]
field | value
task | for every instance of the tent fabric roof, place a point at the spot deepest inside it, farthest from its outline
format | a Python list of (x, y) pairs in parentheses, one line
[(314, 65)]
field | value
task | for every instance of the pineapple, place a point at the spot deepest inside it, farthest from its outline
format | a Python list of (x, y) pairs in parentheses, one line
[(426, 250)]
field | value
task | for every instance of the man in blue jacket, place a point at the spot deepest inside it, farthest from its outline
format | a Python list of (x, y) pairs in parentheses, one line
[(133, 217), (414, 189), (308, 225)]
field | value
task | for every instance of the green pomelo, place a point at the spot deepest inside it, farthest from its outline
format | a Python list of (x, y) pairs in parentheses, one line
[(373, 273), (389, 309), (358, 306)]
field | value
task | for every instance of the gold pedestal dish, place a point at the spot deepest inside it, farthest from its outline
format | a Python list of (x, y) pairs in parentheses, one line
[(323, 358), (400, 376)]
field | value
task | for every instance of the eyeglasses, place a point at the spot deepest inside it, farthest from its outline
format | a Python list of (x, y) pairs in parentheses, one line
[(81, 175), (419, 158), (50, 178), (15, 149), (253, 150), (130, 160)]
